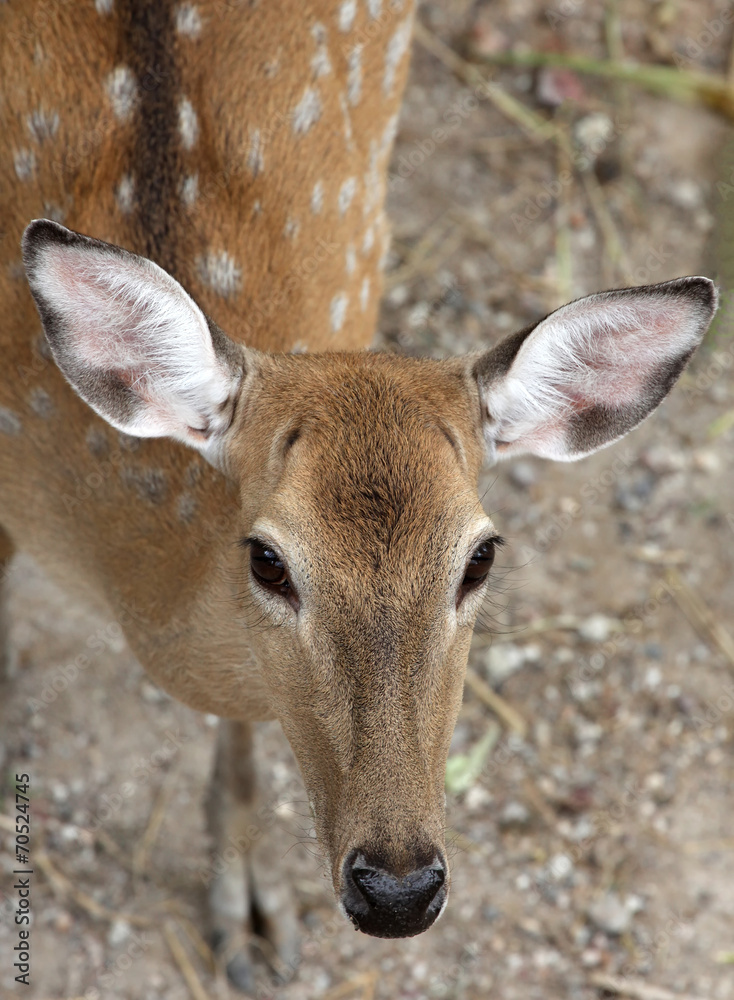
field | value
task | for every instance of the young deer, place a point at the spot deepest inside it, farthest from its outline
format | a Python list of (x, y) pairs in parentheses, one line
[(202, 481)]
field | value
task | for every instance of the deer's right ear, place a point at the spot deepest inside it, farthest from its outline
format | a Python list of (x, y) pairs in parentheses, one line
[(130, 340)]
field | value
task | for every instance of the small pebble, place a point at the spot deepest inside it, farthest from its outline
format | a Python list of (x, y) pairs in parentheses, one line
[(477, 798), (119, 933), (685, 193), (594, 132), (502, 660), (661, 458), (523, 474), (706, 461), (398, 296), (653, 677), (597, 628), (582, 564), (610, 914), (152, 694), (514, 814)]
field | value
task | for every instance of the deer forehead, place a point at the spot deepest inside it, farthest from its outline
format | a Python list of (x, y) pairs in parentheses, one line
[(377, 454)]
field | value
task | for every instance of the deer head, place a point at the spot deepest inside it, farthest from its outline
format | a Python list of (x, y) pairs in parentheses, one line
[(361, 545)]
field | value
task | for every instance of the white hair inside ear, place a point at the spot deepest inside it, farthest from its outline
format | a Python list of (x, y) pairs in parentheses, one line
[(592, 370), (130, 340)]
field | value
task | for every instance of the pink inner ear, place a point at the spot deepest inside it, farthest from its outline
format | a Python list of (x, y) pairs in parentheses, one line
[(616, 350), (105, 302)]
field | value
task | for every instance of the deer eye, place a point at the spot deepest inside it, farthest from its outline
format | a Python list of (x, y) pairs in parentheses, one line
[(479, 565), (267, 566)]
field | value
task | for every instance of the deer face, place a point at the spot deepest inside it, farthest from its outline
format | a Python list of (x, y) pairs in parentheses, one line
[(364, 548), (367, 556)]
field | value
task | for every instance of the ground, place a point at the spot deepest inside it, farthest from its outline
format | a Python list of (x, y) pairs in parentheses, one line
[(598, 844)]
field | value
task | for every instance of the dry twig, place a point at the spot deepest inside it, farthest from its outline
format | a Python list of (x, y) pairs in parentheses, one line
[(700, 615), (64, 887), (502, 709), (637, 989), (183, 962), (366, 982), (157, 815)]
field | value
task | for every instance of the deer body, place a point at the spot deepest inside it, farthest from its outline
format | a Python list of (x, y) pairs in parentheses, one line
[(207, 482)]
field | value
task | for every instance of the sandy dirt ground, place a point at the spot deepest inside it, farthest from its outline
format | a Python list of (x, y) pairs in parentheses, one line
[(595, 851)]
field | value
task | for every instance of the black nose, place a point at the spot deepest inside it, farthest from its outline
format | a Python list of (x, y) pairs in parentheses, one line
[(385, 905)]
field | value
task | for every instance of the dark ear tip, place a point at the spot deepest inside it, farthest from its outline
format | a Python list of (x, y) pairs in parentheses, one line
[(700, 288), (40, 233)]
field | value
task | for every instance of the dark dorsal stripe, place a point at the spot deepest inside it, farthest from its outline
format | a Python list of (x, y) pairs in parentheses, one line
[(147, 38)]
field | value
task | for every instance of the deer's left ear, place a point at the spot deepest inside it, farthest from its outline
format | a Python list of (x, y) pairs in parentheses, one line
[(591, 371)]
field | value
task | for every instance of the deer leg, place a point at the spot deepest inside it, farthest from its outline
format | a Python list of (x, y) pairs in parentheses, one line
[(8, 659), (243, 893)]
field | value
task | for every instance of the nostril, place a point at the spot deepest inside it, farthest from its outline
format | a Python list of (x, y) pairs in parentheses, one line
[(382, 890)]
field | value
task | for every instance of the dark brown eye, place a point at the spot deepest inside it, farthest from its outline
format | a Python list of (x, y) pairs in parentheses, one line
[(267, 566), (479, 565)]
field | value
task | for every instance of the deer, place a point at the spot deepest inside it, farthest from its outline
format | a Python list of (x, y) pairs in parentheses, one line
[(197, 433)]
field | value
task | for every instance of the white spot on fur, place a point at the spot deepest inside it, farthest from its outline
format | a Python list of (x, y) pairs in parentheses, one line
[(394, 54), (374, 180), (257, 207), (364, 294), (186, 507), (25, 164), (388, 134), (255, 160), (122, 91), (220, 273), (299, 348), (354, 75), (9, 421), (290, 230), (190, 189), (347, 14), (350, 259), (338, 310), (373, 8), (104, 6), (188, 20), (320, 63), (347, 120), (188, 123), (272, 67), (346, 194), (307, 112), (43, 125), (317, 198), (368, 240), (41, 404), (125, 194)]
